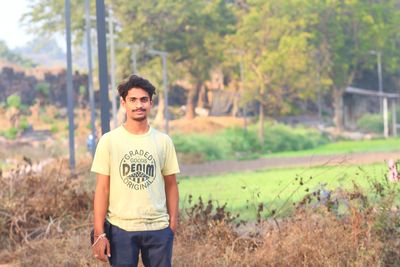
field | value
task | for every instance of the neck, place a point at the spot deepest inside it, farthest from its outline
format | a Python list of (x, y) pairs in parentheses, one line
[(136, 127)]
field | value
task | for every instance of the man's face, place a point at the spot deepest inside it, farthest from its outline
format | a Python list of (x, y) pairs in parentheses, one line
[(137, 104)]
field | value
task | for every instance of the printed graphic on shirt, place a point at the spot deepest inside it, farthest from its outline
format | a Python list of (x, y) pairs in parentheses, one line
[(137, 169)]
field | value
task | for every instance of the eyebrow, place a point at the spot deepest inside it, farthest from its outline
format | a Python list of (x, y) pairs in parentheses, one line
[(141, 98)]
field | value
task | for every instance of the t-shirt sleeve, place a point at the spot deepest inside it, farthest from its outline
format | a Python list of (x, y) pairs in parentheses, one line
[(101, 160), (171, 162)]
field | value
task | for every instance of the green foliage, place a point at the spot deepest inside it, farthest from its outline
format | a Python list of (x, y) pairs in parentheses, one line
[(288, 48), (54, 128), (279, 137), (11, 133), (274, 38), (46, 118), (82, 90), (237, 143), (14, 100), (210, 148), (345, 33), (242, 143), (43, 88), (13, 57), (23, 124), (371, 123)]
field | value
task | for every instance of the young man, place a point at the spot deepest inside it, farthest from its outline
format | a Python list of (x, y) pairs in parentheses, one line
[(136, 197)]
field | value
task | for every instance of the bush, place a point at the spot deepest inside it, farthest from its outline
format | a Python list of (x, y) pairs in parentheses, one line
[(54, 128), (43, 88), (237, 143), (211, 148), (11, 133), (371, 123), (14, 100), (242, 143), (279, 137), (23, 124)]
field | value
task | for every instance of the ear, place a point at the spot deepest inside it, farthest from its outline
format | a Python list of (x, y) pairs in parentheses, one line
[(122, 101)]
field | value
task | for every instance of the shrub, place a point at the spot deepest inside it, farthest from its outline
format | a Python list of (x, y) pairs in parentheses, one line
[(237, 143), (242, 143), (43, 88), (23, 124), (46, 118), (11, 133), (371, 123), (54, 128), (212, 148), (14, 100), (279, 137)]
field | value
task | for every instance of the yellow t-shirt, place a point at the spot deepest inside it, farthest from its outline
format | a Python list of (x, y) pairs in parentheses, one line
[(136, 165)]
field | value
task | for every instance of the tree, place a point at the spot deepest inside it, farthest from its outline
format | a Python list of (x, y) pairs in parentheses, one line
[(14, 57), (274, 38), (190, 31), (345, 34)]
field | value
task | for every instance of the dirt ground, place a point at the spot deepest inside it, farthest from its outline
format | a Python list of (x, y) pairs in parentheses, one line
[(230, 166)]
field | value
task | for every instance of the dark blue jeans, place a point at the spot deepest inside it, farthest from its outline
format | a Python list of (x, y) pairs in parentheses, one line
[(155, 247)]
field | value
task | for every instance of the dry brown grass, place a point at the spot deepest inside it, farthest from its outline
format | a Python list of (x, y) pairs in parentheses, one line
[(204, 124), (45, 221)]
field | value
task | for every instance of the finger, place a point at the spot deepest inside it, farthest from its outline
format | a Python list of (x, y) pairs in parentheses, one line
[(102, 251), (99, 253), (108, 249)]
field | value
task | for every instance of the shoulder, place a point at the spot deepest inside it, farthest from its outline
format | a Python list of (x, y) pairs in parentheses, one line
[(113, 133), (160, 136), (108, 136)]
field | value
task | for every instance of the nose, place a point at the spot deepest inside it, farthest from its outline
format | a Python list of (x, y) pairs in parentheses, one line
[(138, 104)]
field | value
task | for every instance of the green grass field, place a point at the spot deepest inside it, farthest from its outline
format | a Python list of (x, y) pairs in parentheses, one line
[(277, 188), (344, 147)]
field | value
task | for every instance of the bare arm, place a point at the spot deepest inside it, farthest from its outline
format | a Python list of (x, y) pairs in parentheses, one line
[(172, 195), (101, 196)]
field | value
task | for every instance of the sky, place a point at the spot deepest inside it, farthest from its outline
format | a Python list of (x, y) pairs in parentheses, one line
[(11, 30)]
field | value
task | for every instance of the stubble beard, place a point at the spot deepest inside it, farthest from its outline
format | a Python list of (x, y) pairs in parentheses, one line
[(140, 119)]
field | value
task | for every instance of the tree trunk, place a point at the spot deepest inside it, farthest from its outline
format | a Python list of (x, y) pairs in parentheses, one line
[(338, 108), (202, 102), (261, 125), (160, 109), (235, 103), (190, 102)]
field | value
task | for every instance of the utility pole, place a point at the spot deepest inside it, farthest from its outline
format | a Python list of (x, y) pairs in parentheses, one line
[(242, 90), (382, 100), (380, 80), (90, 78), (70, 92), (112, 62), (379, 59), (394, 118), (163, 55), (103, 68), (240, 52), (385, 118)]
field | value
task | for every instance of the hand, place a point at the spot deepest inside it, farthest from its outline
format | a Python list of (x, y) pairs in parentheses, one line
[(173, 225), (101, 250)]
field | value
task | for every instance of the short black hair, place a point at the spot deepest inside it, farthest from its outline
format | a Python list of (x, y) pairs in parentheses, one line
[(134, 81)]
